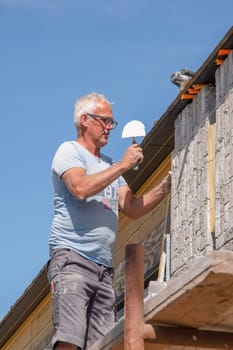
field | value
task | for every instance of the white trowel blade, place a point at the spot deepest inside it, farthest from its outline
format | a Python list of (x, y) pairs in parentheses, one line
[(134, 128)]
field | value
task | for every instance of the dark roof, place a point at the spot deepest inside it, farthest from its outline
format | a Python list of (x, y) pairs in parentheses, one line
[(157, 145)]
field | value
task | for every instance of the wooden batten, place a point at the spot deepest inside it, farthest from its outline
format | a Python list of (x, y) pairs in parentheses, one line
[(211, 175)]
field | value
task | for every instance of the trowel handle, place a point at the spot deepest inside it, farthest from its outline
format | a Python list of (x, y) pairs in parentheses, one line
[(136, 167)]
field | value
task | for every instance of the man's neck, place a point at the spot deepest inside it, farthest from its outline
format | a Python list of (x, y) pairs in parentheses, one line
[(91, 147)]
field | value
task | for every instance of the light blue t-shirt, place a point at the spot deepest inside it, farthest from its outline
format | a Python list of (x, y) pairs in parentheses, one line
[(87, 226)]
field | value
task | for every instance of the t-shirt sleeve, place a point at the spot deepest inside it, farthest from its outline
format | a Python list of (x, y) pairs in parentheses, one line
[(67, 157)]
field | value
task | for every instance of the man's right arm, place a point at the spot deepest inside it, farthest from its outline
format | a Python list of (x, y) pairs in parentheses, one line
[(82, 185)]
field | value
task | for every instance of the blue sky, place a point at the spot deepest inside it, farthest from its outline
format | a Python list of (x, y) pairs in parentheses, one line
[(52, 52)]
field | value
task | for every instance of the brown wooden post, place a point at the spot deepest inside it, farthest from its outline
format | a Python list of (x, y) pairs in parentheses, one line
[(135, 328)]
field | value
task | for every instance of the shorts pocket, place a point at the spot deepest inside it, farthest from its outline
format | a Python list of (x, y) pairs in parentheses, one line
[(57, 262)]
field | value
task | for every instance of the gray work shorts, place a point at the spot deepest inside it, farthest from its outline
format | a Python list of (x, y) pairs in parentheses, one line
[(83, 298)]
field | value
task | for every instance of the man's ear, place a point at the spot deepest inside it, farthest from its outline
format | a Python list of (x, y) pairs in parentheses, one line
[(84, 119)]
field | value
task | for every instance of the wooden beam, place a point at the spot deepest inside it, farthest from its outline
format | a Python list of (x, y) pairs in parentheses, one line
[(190, 337), (135, 328), (187, 97), (200, 86), (219, 61), (224, 52), (193, 91)]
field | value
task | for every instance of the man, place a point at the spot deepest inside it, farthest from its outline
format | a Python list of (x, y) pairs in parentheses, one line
[(89, 189)]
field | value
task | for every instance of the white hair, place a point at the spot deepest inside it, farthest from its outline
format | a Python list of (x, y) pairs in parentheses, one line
[(87, 104)]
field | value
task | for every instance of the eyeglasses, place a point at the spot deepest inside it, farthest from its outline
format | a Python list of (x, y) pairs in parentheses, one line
[(108, 121)]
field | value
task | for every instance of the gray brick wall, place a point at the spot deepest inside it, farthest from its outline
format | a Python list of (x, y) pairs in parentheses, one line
[(224, 79), (190, 204), (190, 236), (224, 155)]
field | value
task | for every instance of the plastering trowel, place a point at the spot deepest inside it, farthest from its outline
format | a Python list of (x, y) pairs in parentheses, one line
[(134, 129)]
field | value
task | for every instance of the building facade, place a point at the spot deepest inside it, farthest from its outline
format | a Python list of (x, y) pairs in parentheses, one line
[(187, 239)]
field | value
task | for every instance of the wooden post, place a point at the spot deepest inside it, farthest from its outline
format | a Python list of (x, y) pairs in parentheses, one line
[(135, 328)]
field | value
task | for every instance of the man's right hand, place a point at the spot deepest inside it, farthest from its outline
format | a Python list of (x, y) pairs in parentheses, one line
[(132, 156)]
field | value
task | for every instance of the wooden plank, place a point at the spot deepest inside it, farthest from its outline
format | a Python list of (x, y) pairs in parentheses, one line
[(224, 52), (193, 91), (200, 86), (202, 297), (219, 61), (36, 329), (31, 298), (211, 175), (187, 97)]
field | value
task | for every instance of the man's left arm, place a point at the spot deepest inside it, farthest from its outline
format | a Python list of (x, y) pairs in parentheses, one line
[(135, 207)]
